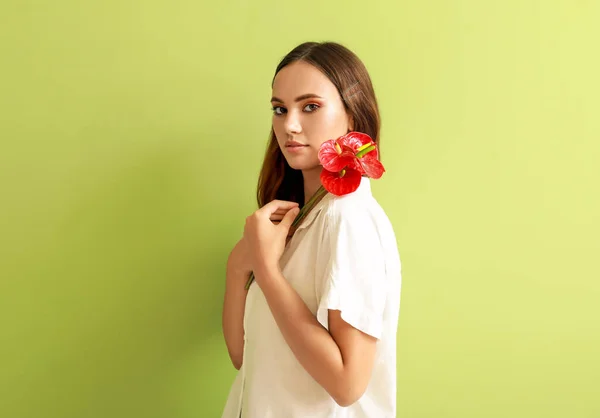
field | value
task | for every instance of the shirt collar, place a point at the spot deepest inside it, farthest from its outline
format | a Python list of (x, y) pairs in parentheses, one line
[(364, 187), (364, 190)]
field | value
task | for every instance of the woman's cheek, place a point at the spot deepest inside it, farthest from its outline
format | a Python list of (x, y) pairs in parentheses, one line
[(318, 124), (279, 130)]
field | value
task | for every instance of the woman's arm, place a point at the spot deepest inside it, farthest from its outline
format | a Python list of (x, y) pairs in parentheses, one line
[(239, 268), (340, 360), (233, 308)]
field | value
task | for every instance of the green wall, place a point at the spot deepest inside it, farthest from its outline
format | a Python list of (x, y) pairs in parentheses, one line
[(131, 137)]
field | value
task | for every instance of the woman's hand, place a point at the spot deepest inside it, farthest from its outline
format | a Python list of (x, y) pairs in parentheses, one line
[(278, 215), (265, 237)]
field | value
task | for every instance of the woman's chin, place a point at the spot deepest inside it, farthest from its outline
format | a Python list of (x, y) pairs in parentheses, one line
[(295, 162), (301, 161), (302, 165), (297, 166)]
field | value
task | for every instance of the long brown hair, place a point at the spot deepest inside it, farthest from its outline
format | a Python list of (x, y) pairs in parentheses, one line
[(277, 180)]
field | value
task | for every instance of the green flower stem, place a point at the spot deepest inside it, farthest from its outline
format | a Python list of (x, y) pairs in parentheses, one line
[(301, 215)]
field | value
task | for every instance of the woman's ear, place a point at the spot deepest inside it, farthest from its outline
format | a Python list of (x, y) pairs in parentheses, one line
[(350, 123)]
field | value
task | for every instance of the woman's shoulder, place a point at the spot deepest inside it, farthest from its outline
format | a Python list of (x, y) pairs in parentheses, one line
[(358, 215), (354, 210), (352, 204)]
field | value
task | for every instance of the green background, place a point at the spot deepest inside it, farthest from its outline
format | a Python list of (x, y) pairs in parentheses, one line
[(131, 138)]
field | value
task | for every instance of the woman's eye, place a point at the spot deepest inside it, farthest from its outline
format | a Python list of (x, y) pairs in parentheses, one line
[(276, 108), (312, 104)]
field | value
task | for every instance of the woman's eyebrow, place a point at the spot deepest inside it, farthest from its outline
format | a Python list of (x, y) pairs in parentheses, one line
[(304, 96)]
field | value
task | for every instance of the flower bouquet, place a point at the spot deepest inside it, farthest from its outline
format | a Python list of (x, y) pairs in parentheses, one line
[(345, 160)]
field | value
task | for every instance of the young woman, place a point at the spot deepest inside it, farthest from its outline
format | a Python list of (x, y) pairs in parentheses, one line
[(315, 334)]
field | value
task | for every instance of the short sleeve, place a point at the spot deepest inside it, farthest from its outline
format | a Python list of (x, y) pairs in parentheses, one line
[(351, 271)]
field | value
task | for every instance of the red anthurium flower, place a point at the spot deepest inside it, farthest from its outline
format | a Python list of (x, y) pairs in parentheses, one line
[(369, 162), (346, 159), (334, 155), (365, 150), (355, 140), (341, 183)]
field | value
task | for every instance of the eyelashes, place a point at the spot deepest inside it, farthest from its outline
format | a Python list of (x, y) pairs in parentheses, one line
[(276, 108)]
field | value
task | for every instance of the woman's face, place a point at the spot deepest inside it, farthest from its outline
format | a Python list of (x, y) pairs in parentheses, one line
[(307, 109)]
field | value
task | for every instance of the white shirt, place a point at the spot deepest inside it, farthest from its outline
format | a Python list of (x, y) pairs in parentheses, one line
[(343, 256)]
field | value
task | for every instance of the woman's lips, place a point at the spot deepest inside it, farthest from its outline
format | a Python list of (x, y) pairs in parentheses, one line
[(295, 148)]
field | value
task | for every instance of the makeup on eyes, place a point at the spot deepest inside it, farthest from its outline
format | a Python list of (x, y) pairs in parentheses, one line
[(317, 107)]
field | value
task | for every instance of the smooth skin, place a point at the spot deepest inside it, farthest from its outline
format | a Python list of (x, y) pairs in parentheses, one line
[(341, 359), (310, 120)]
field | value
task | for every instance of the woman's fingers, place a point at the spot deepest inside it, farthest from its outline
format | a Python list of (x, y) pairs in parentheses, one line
[(278, 215), (281, 212), (277, 205), (276, 210)]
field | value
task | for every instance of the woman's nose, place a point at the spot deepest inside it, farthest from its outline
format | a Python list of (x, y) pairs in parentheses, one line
[(292, 123)]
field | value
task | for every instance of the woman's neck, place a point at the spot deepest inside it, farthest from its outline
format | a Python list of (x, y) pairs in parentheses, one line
[(312, 182)]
